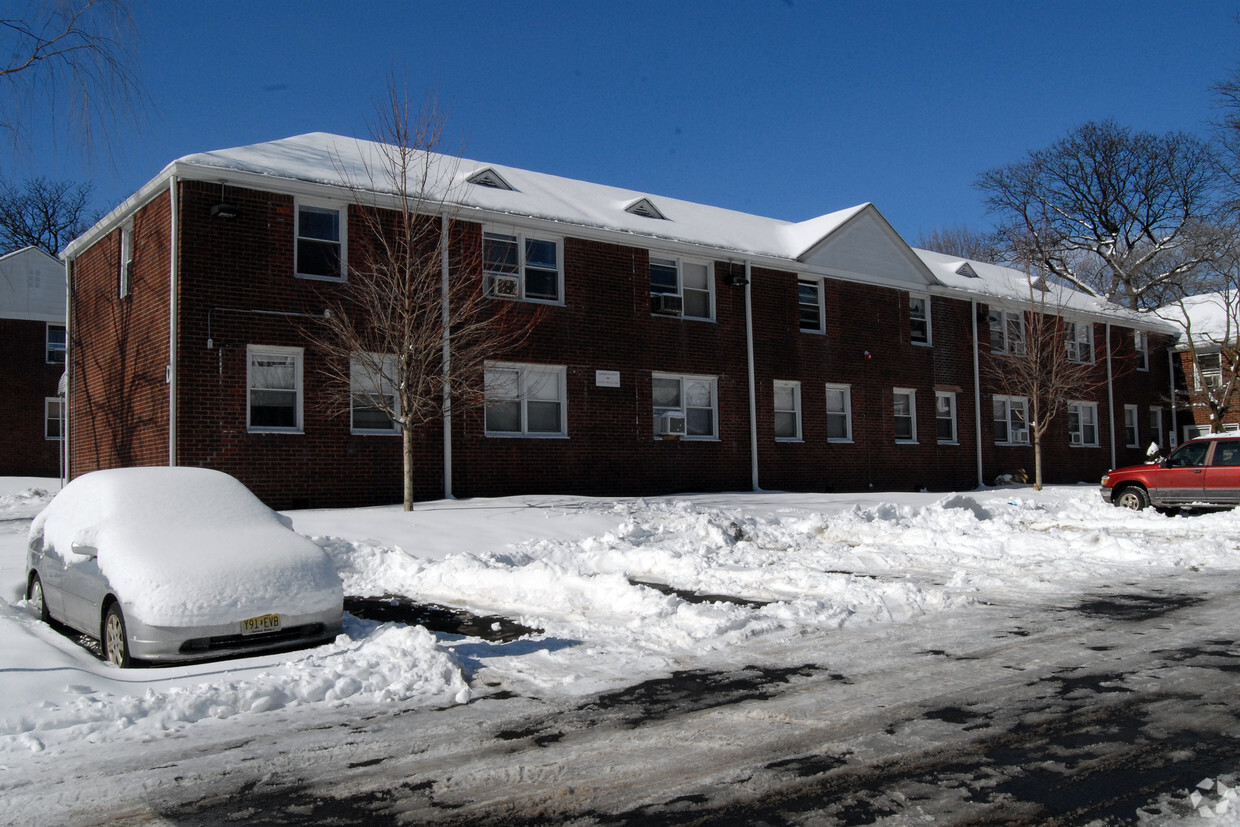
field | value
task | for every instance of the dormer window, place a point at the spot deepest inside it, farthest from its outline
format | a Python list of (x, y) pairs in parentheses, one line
[(646, 209), (490, 178)]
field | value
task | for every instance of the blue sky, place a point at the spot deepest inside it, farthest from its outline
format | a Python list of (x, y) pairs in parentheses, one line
[(784, 108)]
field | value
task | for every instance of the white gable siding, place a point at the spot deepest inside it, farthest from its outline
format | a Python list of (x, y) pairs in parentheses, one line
[(32, 286), (866, 246)]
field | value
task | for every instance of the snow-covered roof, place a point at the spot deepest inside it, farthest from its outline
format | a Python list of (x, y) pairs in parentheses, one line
[(1210, 318), (854, 243), (1011, 287)]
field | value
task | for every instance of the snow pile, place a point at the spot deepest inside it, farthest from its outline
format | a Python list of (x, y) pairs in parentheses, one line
[(371, 663), (1213, 799)]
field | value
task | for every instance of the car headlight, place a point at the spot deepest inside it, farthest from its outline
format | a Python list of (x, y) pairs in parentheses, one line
[(1105, 480)]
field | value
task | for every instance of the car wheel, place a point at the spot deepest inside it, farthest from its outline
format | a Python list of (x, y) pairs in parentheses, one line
[(115, 642), (34, 598), (1133, 497)]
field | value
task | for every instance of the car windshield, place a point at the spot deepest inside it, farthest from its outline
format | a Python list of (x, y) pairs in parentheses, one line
[(1190, 455)]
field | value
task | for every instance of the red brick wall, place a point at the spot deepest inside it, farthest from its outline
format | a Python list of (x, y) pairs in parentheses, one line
[(119, 348), (29, 379)]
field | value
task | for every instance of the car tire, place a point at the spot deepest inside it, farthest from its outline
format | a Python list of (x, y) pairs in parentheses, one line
[(114, 640), (1132, 496), (35, 599)]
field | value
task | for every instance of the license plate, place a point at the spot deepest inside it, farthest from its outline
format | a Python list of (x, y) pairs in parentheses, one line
[(258, 625)]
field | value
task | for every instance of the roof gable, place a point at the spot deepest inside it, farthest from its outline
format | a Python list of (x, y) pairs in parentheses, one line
[(865, 243)]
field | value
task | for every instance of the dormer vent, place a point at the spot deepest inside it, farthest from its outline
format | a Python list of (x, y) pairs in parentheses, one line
[(966, 270), (490, 178), (646, 209)]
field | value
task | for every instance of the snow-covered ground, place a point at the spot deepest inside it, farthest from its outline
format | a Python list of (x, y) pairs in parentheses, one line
[(577, 569)]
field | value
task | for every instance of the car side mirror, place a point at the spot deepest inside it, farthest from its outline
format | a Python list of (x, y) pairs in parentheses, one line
[(84, 550)]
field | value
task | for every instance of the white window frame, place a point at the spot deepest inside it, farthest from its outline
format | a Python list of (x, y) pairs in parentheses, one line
[(1086, 417), (53, 405), (1141, 344), (1211, 378), (950, 398), (1002, 339), (57, 346), (523, 384), (819, 308), (340, 240), (681, 289), (1079, 341), (1156, 425), (1132, 430), (794, 389), (124, 277), (521, 239), (1015, 436), (252, 352), (911, 395), (683, 408), (363, 383), (923, 317), (845, 392)]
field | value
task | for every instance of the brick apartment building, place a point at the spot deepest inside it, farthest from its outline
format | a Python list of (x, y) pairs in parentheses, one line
[(1212, 320), (821, 355), (32, 350)]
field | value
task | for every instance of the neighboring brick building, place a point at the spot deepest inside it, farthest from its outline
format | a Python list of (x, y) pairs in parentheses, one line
[(856, 354), (1207, 382), (32, 350)]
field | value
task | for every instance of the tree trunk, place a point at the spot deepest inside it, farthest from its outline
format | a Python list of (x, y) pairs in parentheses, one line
[(406, 440), (1037, 461)]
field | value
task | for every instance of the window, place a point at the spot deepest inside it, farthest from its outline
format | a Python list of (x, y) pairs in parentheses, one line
[(1226, 453), (320, 242), (372, 393), (125, 276), (1156, 434), (919, 319), (53, 417), (521, 267), (1011, 418), (56, 344), (904, 409), (1131, 437), (525, 400), (1209, 370), (945, 416), (839, 413), (788, 411), (1083, 424), (274, 382), (1141, 343), (1007, 333), (681, 288), (809, 300), (693, 397), (1079, 340)]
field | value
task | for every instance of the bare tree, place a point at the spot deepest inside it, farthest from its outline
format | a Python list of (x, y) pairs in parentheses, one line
[(1044, 361), (1108, 210), (409, 336), (1227, 96), (45, 214), (1211, 336), (961, 241), (67, 61)]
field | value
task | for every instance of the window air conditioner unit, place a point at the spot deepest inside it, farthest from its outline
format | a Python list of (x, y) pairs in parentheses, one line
[(671, 424), (505, 286), (667, 304)]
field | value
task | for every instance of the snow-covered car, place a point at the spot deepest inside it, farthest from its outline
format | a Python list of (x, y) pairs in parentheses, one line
[(167, 564), (1203, 471)]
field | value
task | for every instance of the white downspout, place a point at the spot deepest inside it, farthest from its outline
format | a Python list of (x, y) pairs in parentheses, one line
[(1111, 394), (447, 358), (64, 414), (753, 402), (977, 395), (172, 322)]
